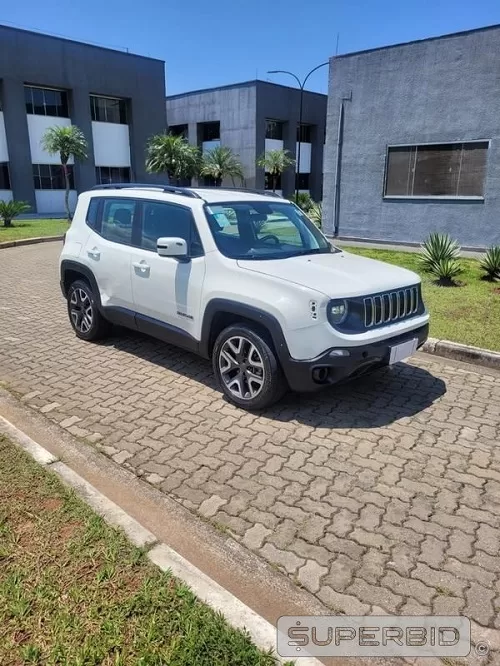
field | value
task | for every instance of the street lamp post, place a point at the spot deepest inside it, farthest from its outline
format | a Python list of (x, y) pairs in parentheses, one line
[(301, 88)]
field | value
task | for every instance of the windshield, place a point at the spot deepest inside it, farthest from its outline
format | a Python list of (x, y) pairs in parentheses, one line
[(262, 230)]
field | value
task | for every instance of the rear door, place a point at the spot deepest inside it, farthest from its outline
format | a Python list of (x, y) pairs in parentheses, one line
[(108, 247), (166, 290)]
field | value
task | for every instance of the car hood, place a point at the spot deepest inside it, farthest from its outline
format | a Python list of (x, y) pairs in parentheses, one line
[(337, 275)]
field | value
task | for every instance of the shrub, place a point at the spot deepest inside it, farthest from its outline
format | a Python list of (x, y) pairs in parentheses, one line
[(315, 213), (303, 200), (11, 209), (490, 263), (438, 248)]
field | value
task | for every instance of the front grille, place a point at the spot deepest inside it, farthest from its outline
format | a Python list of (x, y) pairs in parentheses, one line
[(391, 306)]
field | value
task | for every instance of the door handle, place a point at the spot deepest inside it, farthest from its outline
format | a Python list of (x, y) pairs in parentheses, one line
[(94, 253), (141, 265)]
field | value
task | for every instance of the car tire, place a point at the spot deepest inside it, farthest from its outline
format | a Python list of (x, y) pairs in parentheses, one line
[(246, 368), (84, 315)]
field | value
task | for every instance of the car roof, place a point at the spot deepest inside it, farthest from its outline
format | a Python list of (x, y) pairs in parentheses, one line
[(207, 194)]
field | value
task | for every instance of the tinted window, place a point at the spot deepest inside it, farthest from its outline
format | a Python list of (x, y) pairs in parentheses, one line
[(274, 129), (51, 177), (437, 170), (169, 220), (46, 101), (105, 175), (92, 214), (108, 109), (4, 176), (210, 131), (117, 220)]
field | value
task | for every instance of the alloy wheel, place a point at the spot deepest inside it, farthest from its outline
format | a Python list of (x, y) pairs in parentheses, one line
[(241, 368), (81, 311)]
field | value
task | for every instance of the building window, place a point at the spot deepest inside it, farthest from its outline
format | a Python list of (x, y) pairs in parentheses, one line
[(210, 131), (179, 130), (105, 175), (208, 181), (303, 181), (304, 133), (274, 130), (51, 177), (4, 176), (269, 181), (46, 101), (436, 170), (108, 109)]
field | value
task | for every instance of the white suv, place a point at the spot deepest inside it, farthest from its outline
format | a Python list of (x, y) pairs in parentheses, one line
[(241, 277)]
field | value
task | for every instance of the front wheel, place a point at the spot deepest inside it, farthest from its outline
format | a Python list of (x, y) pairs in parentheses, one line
[(84, 315), (247, 368)]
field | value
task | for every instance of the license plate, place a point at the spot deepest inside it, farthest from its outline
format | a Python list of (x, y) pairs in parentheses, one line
[(402, 351)]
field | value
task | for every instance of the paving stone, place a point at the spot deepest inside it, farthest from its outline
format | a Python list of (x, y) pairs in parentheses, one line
[(255, 536), (376, 475), (310, 575)]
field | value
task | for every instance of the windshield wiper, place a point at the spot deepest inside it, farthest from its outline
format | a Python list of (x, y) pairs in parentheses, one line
[(315, 250)]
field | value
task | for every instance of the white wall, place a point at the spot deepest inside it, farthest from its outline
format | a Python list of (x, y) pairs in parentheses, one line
[(37, 126), (52, 201), (5, 195), (111, 144), (305, 157), (273, 144), (207, 146), (4, 153)]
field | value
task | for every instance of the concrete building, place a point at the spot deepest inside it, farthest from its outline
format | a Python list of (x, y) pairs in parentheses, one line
[(253, 117), (413, 140), (117, 99)]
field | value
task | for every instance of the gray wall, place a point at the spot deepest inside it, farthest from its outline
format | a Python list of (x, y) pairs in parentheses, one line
[(446, 89), (242, 111), (283, 103), (27, 57), (234, 107)]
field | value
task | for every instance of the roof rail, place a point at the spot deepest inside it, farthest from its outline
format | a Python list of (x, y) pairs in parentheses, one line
[(267, 193), (183, 191)]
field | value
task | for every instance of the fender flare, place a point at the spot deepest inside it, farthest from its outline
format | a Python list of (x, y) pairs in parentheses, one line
[(69, 265), (225, 306)]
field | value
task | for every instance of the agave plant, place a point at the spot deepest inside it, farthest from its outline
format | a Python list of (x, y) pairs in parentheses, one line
[(445, 270), (490, 263), (436, 250), (303, 200)]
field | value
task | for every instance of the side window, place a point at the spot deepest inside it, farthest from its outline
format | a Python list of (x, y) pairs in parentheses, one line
[(92, 217), (169, 220), (117, 220)]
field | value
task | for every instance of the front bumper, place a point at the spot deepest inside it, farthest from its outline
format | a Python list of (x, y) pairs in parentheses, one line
[(326, 369)]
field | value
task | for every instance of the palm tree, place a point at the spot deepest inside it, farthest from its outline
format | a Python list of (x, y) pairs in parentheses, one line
[(11, 209), (68, 141), (221, 163), (173, 155), (275, 162)]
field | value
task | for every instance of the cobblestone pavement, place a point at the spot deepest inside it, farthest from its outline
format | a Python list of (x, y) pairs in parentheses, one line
[(379, 496)]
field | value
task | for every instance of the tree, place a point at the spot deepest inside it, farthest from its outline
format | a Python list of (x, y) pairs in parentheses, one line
[(275, 162), (221, 163), (11, 209), (68, 141), (173, 155)]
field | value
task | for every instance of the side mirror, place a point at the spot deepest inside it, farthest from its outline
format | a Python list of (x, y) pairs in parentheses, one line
[(172, 247)]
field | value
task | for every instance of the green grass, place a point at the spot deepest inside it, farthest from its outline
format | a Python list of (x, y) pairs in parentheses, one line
[(469, 314), (74, 591), (32, 229)]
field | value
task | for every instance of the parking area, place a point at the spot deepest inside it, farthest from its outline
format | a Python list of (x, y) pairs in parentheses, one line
[(379, 496)]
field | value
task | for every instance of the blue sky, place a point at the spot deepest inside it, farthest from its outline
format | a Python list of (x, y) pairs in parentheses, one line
[(205, 44)]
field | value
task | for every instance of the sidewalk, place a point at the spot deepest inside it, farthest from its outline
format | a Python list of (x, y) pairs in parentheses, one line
[(395, 247)]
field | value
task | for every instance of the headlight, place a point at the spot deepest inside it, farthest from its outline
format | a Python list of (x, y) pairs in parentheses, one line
[(337, 312)]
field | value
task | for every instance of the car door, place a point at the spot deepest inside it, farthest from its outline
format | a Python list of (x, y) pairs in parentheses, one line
[(108, 247), (167, 290)]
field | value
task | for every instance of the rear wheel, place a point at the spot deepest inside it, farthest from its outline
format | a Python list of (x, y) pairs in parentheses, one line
[(84, 315), (247, 368)]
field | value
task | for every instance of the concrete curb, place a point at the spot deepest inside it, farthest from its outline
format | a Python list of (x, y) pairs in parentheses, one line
[(238, 614), (30, 241), (465, 353)]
